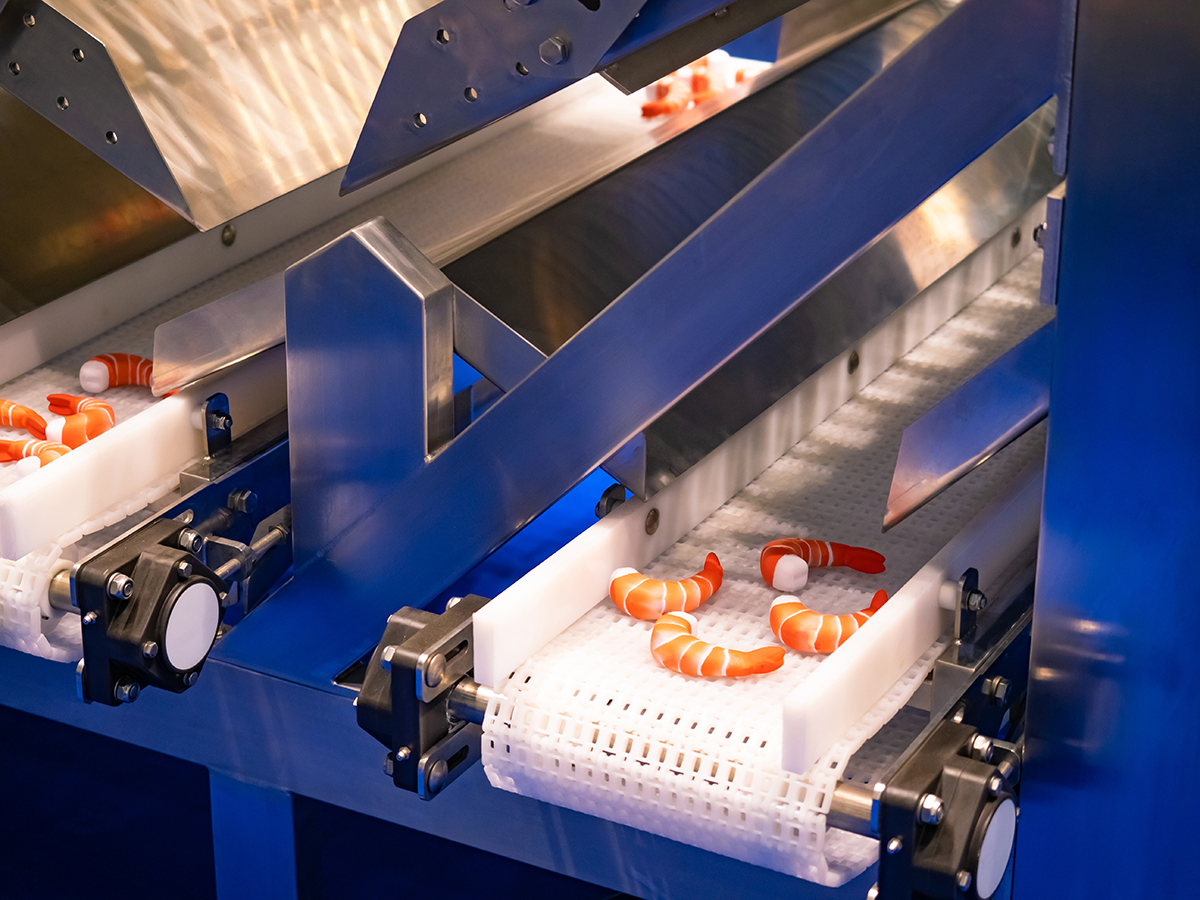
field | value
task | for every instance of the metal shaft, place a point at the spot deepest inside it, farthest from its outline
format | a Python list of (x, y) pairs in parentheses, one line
[(469, 701), (60, 591), (854, 808)]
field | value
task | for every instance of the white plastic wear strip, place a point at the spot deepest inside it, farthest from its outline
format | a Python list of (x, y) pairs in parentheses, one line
[(851, 681), (156, 443)]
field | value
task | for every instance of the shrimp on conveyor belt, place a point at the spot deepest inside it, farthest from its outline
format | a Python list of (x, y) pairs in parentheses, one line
[(109, 370), (84, 418), (785, 562), (648, 598), (31, 455), (675, 647), (18, 416), (812, 632)]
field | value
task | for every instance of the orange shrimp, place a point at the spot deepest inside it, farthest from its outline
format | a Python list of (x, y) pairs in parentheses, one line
[(676, 99), (811, 632), (19, 416), (785, 562), (647, 598), (85, 418), (674, 647), (43, 452), (109, 370)]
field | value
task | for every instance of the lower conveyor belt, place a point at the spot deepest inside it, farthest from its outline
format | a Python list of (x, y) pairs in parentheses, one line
[(591, 722)]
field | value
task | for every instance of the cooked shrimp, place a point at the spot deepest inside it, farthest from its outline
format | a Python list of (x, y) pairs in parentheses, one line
[(109, 370), (28, 452), (647, 598), (676, 99), (675, 647), (19, 416), (811, 632), (785, 562), (85, 418)]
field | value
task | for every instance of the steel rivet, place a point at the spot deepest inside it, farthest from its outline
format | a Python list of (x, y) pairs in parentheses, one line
[(228, 235), (420, 120), (402, 754), (652, 521), (78, 54), (963, 880), (894, 846), (89, 618)]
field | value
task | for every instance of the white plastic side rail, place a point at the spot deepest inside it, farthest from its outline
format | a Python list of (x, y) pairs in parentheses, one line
[(154, 444), (847, 684), (549, 599)]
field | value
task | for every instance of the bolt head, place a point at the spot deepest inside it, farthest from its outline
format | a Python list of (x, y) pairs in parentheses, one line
[(976, 601), (191, 541), (873, 892), (89, 618), (191, 678), (435, 670), (555, 50), (119, 586), (930, 809), (243, 501), (453, 602), (149, 649), (437, 776), (402, 754), (184, 568), (997, 689), (385, 658), (981, 748), (126, 691), (963, 879), (894, 846), (995, 785)]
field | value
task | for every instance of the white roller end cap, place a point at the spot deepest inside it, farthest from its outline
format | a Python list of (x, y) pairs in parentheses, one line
[(93, 376), (791, 574), (191, 626), (996, 848)]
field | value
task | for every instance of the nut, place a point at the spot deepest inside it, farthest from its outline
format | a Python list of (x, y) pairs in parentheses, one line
[(930, 809)]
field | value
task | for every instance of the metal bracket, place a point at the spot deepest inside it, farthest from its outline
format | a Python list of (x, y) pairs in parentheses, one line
[(405, 698), (1048, 236), (971, 601), (218, 423)]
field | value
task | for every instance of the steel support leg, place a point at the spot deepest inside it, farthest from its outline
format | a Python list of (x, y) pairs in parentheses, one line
[(253, 840)]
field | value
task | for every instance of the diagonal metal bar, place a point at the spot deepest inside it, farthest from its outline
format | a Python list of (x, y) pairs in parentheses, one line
[(972, 424), (981, 72)]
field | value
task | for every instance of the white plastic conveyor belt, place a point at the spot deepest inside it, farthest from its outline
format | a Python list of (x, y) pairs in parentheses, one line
[(586, 719)]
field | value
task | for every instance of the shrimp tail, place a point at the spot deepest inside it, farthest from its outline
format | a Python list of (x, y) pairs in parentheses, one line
[(785, 562), (18, 416)]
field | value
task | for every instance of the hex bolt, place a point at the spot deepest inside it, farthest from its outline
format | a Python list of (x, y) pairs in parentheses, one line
[(385, 658), (89, 618), (435, 670), (191, 678), (184, 568), (555, 50), (995, 785), (437, 776), (244, 501), (402, 754), (963, 879), (997, 689), (975, 601), (894, 846), (981, 748), (873, 892), (959, 713), (149, 649), (1039, 234), (219, 421), (930, 809), (191, 541), (126, 690), (453, 602), (119, 586)]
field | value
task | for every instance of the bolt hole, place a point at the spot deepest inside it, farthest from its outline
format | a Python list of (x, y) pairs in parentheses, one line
[(443, 36), (29, 20), (63, 103), (78, 54), (471, 94), (419, 120), (110, 136), (521, 70), (14, 68), (1016, 237)]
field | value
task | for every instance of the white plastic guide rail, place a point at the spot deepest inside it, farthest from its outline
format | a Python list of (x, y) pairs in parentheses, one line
[(584, 717)]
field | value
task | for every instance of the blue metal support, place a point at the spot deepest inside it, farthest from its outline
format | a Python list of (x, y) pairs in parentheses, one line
[(1109, 795), (254, 843)]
